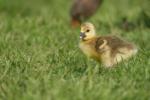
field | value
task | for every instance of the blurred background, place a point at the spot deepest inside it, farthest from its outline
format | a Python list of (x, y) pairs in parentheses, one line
[(135, 11)]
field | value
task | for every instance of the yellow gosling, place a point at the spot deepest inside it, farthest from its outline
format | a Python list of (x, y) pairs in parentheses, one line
[(109, 50)]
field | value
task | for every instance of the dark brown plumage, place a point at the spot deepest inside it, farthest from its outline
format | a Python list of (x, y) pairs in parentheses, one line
[(114, 43), (83, 9)]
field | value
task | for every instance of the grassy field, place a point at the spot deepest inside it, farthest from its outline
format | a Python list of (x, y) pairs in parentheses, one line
[(40, 58)]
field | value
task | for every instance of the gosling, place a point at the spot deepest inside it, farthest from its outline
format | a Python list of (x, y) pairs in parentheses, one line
[(108, 50)]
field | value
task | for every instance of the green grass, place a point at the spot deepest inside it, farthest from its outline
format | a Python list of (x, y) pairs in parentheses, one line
[(40, 58)]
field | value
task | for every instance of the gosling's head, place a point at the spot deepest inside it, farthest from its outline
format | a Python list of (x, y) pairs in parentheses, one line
[(87, 31)]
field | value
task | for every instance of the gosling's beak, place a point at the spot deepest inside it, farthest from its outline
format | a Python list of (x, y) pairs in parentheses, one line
[(82, 35)]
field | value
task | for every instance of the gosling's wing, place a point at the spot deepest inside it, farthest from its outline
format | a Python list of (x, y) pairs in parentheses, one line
[(118, 45), (115, 42), (98, 43)]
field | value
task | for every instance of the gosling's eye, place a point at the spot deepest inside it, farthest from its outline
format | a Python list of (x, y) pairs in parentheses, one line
[(87, 30)]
